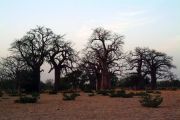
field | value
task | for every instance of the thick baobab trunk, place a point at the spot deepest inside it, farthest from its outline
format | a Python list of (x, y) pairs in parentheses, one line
[(36, 79), (98, 81), (98, 84), (92, 84), (140, 79), (141, 82), (105, 82), (153, 80), (18, 83), (57, 79)]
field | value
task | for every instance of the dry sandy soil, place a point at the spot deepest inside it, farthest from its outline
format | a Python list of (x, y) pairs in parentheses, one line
[(52, 107)]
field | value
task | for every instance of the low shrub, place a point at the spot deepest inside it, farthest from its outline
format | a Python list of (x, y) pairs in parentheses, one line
[(132, 93), (26, 99), (5, 97), (149, 91), (76, 94), (13, 93), (105, 92), (173, 88), (151, 100), (52, 92), (35, 95), (88, 91), (157, 92), (70, 96), (122, 93), (140, 93), (91, 94), (162, 88)]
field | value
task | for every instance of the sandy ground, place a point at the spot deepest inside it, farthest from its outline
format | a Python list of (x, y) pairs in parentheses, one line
[(52, 107)]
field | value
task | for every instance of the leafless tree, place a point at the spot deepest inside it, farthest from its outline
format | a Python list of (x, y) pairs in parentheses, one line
[(11, 68), (91, 68), (136, 63), (107, 49), (32, 48), (61, 57), (158, 65)]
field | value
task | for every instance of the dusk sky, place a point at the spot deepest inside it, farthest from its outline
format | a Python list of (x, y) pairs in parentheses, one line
[(145, 23)]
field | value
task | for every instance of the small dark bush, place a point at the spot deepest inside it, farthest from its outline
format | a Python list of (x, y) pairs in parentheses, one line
[(105, 92), (70, 96), (140, 93), (88, 91), (162, 88), (76, 94), (26, 99), (122, 93), (149, 91), (53, 92), (35, 95), (13, 93), (5, 98), (132, 93), (127, 95), (151, 101), (91, 94), (157, 92), (173, 88), (69, 91)]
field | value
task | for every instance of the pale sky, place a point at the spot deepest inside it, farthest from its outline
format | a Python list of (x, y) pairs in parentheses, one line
[(145, 23)]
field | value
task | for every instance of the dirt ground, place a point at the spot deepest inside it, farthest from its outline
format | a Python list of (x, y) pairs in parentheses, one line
[(52, 107)]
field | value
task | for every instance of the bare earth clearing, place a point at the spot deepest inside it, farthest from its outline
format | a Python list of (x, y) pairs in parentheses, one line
[(52, 107)]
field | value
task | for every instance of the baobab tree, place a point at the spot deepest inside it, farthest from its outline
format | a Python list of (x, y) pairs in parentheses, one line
[(136, 62), (61, 57), (158, 65), (91, 69), (11, 68), (107, 48), (33, 49)]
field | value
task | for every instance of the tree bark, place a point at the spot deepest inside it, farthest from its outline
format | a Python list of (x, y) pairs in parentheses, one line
[(57, 79), (153, 80), (105, 82), (36, 79), (18, 83)]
